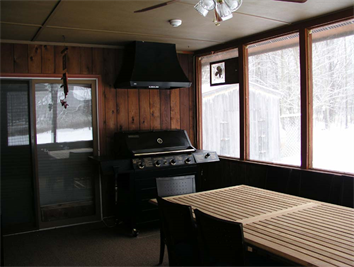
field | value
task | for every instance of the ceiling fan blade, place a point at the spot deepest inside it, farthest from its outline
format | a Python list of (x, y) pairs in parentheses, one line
[(155, 6), (293, 1)]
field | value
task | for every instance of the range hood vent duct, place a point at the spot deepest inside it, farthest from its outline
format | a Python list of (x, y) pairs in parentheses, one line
[(151, 66)]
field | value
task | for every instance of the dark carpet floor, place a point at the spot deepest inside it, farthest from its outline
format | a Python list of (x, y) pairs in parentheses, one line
[(84, 245), (95, 245)]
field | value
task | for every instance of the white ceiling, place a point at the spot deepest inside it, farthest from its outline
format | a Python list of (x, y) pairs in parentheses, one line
[(114, 22)]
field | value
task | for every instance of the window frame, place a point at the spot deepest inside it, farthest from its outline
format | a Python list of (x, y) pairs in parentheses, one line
[(306, 88), (73, 81), (95, 140)]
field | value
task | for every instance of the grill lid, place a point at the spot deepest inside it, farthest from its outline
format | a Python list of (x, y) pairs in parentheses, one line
[(135, 144)]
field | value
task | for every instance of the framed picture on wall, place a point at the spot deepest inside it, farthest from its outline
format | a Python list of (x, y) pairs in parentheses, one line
[(217, 73), (224, 72)]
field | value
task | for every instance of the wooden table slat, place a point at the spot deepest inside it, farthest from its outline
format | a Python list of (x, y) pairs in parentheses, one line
[(216, 201), (321, 220), (220, 213), (318, 225), (340, 220), (280, 244), (326, 209), (302, 242), (234, 204), (329, 240), (242, 202), (265, 201)]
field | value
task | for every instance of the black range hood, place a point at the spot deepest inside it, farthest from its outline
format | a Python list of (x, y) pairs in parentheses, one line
[(151, 66)]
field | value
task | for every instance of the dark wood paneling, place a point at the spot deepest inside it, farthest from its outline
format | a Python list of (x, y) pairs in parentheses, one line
[(110, 96), (347, 191), (184, 109), (122, 107), (175, 109), (192, 103), (86, 60), (7, 58), (336, 190), (97, 68), (155, 109), (97, 61), (184, 95), (48, 59), (35, 58), (256, 175), (294, 183), (144, 109), (238, 172), (315, 186), (58, 59), (73, 63), (122, 98), (165, 109), (133, 109), (277, 179), (21, 58)]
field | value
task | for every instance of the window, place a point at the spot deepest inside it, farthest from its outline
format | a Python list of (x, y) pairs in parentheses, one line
[(277, 127), (56, 124), (220, 111), (274, 100), (333, 97), (17, 114)]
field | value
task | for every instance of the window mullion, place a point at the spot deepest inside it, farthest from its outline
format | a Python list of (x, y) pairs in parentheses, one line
[(306, 98), (244, 112)]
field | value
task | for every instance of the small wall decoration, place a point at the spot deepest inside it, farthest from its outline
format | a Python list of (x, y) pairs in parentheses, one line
[(224, 72), (65, 84), (217, 74)]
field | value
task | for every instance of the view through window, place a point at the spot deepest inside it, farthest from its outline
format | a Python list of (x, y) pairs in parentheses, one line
[(274, 100), (220, 107), (333, 97), (64, 142)]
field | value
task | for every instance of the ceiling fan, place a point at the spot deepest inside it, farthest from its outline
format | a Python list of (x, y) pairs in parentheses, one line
[(174, 1)]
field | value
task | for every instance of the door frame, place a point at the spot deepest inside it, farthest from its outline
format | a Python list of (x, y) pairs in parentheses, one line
[(83, 219)]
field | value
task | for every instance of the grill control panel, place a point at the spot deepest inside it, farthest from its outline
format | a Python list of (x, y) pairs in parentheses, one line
[(162, 161)]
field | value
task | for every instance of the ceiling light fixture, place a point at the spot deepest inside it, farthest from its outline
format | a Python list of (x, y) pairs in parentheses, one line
[(223, 8)]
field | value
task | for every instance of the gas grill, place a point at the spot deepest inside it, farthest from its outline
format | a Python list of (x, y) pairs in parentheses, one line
[(147, 164)]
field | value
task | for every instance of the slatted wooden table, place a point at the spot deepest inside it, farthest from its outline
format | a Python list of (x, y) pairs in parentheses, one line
[(304, 231)]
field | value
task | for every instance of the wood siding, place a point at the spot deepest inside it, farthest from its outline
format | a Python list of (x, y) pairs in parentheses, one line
[(119, 110)]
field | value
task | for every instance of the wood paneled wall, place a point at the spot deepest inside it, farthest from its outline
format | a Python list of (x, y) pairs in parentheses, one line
[(119, 110)]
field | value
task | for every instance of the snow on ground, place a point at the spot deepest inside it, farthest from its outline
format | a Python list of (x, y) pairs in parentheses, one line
[(66, 135), (333, 149)]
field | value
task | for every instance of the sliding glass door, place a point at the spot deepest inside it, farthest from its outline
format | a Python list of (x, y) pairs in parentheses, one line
[(17, 179), (65, 138)]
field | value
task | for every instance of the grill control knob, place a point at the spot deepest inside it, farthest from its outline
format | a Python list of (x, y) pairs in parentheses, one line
[(141, 165), (188, 160), (158, 163), (173, 162), (207, 155)]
